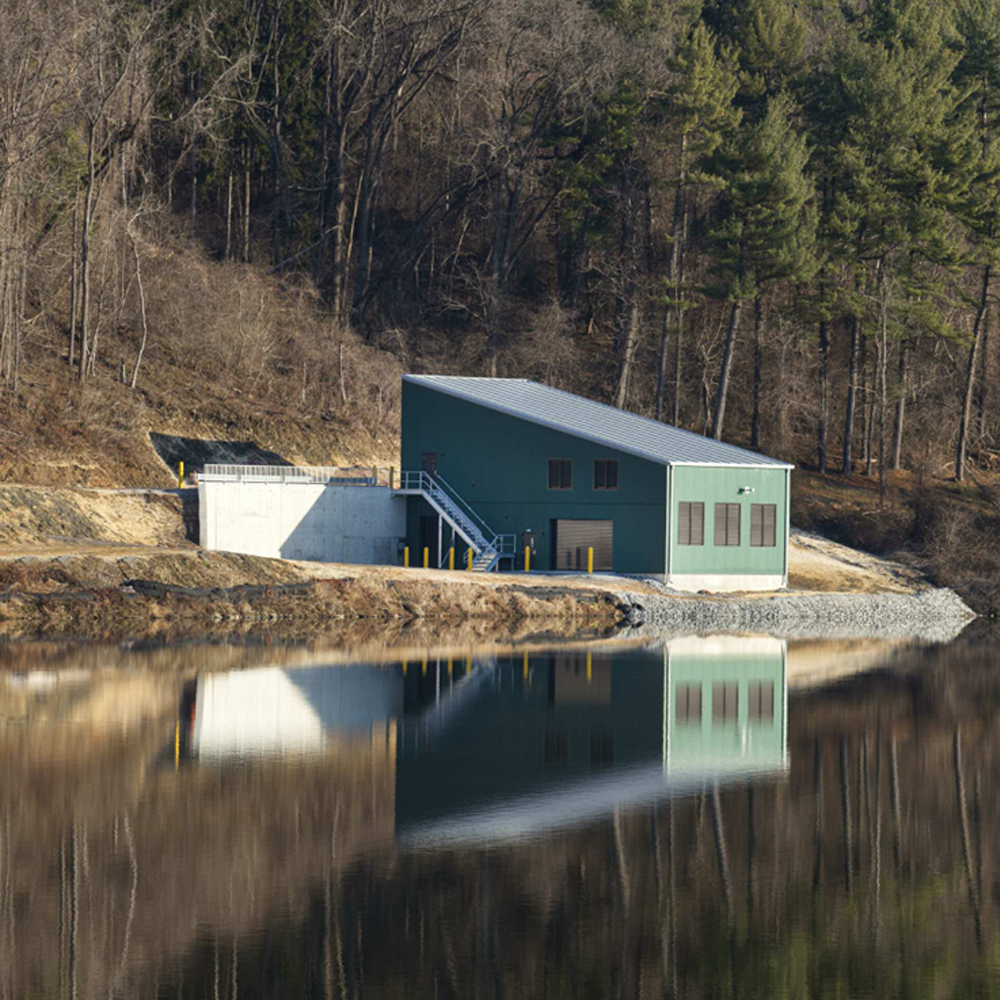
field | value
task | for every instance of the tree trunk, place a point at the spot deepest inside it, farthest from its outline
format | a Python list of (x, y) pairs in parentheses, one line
[(897, 433), (852, 396), (677, 235), (727, 365), (193, 208), (883, 391), (229, 216), (334, 216), (363, 205), (984, 380), (74, 288), (279, 214), (679, 323), (88, 214), (661, 371), (757, 376), (246, 205), (629, 343), (961, 452), (628, 278), (869, 397), (142, 312), (824, 404)]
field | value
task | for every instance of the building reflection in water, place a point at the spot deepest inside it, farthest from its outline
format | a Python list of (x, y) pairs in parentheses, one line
[(487, 751)]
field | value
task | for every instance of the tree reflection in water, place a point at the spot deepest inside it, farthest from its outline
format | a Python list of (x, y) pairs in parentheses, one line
[(477, 847)]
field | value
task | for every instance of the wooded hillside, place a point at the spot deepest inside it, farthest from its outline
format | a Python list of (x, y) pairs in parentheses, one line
[(767, 220)]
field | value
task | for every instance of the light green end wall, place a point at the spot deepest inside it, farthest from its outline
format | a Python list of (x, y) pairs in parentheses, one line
[(712, 485)]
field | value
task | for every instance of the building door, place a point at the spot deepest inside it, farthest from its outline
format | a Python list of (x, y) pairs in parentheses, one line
[(574, 538), (431, 462), (429, 541)]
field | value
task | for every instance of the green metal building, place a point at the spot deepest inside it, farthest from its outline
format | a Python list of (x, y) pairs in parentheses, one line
[(500, 465)]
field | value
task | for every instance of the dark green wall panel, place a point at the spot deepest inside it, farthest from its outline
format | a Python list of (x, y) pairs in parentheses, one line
[(499, 465)]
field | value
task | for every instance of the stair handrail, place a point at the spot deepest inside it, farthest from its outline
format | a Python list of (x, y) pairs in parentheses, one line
[(487, 532), (495, 542)]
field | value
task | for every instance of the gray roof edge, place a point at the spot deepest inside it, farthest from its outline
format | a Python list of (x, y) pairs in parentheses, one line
[(773, 464), (430, 382)]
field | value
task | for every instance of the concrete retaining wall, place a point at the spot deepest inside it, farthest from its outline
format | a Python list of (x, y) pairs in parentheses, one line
[(313, 521)]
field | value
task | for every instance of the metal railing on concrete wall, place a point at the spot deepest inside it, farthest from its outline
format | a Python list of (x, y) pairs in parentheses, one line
[(338, 476)]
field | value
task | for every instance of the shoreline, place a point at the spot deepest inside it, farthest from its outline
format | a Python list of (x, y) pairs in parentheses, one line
[(88, 604)]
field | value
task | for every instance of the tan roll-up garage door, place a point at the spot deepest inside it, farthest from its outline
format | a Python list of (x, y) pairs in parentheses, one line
[(573, 538)]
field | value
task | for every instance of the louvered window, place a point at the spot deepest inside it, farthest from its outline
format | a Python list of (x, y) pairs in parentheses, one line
[(763, 525), (606, 474), (727, 524), (688, 702), (690, 523), (725, 702), (560, 474), (760, 700)]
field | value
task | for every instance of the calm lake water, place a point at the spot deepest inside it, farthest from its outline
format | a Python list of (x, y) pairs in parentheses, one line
[(707, 817)]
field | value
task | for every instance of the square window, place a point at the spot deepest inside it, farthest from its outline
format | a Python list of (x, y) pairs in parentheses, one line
[(606, 474), (560, 474)]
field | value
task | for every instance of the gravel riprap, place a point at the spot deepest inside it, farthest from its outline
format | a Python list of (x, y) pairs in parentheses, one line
[(926, 616)]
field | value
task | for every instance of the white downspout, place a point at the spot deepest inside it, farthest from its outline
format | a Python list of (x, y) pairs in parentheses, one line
[(788, 521), (670, 523)]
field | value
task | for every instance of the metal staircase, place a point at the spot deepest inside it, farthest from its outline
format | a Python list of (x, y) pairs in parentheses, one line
[(489, 547)]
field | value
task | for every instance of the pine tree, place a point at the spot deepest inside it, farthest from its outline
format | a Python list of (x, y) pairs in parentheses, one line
[(763, 229), (897, 175), (978, 76), (700, 113)]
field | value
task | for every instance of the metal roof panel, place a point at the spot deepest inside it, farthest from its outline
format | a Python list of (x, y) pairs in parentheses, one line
[(592, 421)]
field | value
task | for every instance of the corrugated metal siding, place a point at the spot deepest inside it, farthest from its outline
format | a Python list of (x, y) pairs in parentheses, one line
[(728, 486), (574, 537), (584, 418)]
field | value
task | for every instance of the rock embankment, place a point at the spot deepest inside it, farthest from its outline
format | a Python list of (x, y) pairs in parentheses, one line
[(932, 615)]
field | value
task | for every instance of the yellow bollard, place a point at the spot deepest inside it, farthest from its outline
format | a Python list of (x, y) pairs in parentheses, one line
[(527, 559), (468, 664), (525, 667), (590, 560), (423, 667), (392, 477), (590, 666), (427, 557), (406, 557), (405, 665), (180, 475), (449, 666), (468, 558), (177, 745), (451, 557)]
